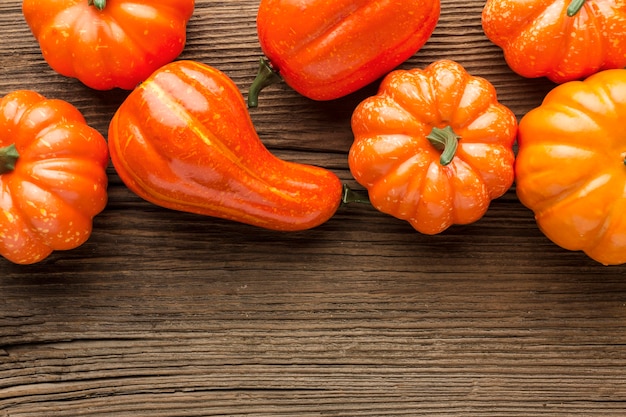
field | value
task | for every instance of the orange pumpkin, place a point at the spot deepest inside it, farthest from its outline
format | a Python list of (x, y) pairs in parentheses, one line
[(53, 177), (326, 49), (571, 165), (434, 146), (108, 43), (562, 40)]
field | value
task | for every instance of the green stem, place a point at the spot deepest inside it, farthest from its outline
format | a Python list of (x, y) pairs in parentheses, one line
[(264, 78), (574, 7), (446, 141), (351, 196), (8, 158), (98, 4)]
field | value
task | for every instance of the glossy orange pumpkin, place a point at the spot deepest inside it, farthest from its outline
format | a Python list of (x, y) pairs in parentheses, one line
[(562, 40), (326, 49), (184, 140), (53, 177), (571, 165), (434, 146), (108, 43)]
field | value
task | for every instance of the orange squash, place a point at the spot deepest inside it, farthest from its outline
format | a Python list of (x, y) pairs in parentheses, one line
[(184, 140), (326, 49)]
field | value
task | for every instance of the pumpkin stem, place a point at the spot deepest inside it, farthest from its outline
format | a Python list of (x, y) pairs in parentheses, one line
[(264, 78), (98, 4), (351, 196), (8, 158), (446, 141), (574, 7)]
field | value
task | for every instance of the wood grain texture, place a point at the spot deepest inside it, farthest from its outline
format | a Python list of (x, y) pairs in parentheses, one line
[(171, 314)]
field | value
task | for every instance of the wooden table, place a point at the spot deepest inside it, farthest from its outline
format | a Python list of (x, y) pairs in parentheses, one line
[(162, 313)]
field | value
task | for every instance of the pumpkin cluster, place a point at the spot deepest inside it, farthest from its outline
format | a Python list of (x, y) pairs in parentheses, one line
[(432, 147)]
